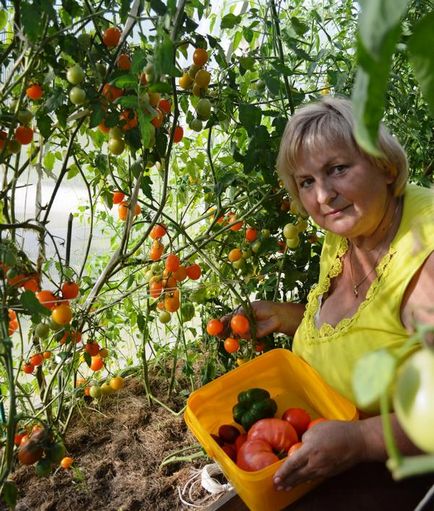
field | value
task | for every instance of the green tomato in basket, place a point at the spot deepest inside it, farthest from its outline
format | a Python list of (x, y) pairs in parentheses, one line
[(413, 399)]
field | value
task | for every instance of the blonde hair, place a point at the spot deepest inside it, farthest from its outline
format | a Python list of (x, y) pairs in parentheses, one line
[(325, 123)]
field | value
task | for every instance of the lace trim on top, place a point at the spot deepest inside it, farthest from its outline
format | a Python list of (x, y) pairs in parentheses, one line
[(326, 330)]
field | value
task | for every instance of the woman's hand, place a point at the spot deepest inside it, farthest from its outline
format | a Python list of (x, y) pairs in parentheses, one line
[(271, 317), (328, 448)]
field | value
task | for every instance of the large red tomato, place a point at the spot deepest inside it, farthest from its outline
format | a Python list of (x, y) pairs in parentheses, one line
[(276, 432), (255, 454)]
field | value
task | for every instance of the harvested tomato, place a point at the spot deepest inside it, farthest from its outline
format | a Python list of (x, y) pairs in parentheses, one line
[(228, 433), (255, 454), (277, 432), (298, 418), (240, 441), (230, 450), (294, 448)]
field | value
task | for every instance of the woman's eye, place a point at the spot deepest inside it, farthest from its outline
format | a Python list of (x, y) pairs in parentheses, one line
[(338, 169), (305, 183)]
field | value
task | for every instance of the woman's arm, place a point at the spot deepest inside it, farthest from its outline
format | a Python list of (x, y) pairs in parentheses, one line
[(331, 447)]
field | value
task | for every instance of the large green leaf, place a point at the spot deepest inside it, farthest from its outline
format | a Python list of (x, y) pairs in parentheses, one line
[(372, 376), (250, 116), (31, 20), (421, 51), (377, 19), (32, 305), (375, 50)]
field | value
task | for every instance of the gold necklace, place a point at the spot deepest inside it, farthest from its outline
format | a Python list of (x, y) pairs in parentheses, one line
[(358, 284)]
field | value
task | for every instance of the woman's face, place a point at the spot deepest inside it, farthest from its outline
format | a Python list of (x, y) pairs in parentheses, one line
[(342, 191)]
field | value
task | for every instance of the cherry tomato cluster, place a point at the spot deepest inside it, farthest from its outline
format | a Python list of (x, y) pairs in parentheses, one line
[(240, 327), (165, 277), (40, 448), (197, 79)]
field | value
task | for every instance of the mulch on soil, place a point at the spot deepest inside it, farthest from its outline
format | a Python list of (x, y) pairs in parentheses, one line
[(118, 445)]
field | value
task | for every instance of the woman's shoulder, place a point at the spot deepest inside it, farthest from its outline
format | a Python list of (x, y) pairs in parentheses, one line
[(418, 198)]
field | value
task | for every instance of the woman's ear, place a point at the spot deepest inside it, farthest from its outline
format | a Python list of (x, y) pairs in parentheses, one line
[(390, 173)]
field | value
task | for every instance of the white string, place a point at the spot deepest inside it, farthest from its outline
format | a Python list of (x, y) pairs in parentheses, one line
[(209, 483)]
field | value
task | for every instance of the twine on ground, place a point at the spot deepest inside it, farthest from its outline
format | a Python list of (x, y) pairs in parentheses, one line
[(204, 476)]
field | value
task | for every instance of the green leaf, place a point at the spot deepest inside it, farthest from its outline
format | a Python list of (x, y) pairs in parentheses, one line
[(10, 494), (369, 91), (300, 28), (164, 58), (128, 102), (230, 21), (49, 160), (159, 7), (126, 81), (44, 125), (3, 19), (31, 19), (164, 87), (420, 47), (72, 171), (32, 305), (250, 116), (372, 376), (236, 40), (96, 116), (376, 21), (146, 186), (138, 61), (145, 127)]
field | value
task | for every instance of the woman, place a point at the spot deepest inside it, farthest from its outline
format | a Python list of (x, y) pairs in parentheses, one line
[(376, 274)]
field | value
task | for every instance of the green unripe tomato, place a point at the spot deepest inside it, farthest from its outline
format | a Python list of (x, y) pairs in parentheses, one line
[(95, 391), (116, 146), (265, 233), (157, 268), (238, 265), (203, 109), (25, 116), (301, 225), (106, 389), (187, 311), (245, 254), (75, 75), (292, 243), (77, 96), (14, 146), (196, 125), (413, 399), (290, 231), (164, 317), (42, 330), (116, 133), (256, 246)]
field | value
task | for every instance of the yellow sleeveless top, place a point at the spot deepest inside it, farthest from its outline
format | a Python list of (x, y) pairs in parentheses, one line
[(333, 351)]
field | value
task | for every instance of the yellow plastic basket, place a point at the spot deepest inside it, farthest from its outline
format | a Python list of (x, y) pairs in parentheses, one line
[(291, 383)]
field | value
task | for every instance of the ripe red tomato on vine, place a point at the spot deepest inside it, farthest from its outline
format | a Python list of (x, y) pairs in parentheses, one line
[(231, 345), (111, 37), (34, 92), (70, 290), (240, 324), (158, 231), (24, 134), (214, 327), (178, 134), (193, 271)]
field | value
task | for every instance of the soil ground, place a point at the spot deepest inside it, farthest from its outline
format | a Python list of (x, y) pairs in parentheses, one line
[(118, 446)]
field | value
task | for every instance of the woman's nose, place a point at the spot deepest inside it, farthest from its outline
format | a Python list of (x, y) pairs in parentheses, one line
[(325, 193)]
